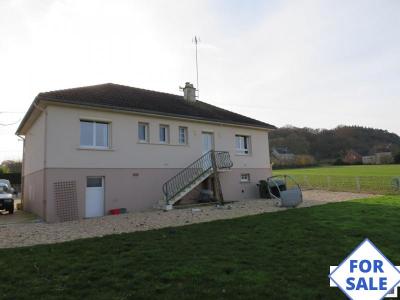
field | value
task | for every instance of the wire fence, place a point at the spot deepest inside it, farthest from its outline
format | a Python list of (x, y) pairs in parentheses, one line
[(359, 184)]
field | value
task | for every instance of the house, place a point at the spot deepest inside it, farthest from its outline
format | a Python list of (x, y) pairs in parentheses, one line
[(89, 150), (378, 158), (369, 160), (352, 157), (283, 155), (384, 158)]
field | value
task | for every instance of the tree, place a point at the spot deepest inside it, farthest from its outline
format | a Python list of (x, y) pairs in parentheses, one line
[(11, 166), (397, 158)]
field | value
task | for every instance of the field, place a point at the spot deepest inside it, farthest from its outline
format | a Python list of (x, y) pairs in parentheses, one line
[(363, 170), (283, 255), (380, 179)]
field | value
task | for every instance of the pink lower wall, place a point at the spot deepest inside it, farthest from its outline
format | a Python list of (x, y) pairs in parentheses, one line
[(133, 189), (33, 193), (233, 189)]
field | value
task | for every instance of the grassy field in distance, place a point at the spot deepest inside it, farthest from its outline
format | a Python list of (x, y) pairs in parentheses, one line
[(377, 179), (359, 170)]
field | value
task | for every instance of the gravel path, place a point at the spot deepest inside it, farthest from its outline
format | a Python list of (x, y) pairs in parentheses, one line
[(17, 235)]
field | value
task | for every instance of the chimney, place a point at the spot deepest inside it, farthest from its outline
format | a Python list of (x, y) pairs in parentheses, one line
[(189, 92)]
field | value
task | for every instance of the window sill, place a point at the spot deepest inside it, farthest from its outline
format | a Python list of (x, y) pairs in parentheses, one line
[(95, 149), (163, 144), (243, 154)]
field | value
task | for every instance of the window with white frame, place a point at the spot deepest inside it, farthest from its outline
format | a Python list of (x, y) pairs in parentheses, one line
[(245, 177), (183, 140), (242, 144), (143, 132), (94, 134), (164, 134)]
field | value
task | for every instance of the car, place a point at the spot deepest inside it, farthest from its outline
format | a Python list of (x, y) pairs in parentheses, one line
[(6, 196)]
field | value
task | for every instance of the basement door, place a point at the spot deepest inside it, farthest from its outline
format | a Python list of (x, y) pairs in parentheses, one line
[(94, 203)]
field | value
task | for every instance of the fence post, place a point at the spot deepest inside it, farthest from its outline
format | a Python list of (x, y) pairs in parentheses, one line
[(307, 182), (358, 186)]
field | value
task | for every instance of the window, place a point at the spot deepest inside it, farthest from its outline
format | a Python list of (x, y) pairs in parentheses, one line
[(183, 135), (94, 134), (242, 144), (143, 132), (164, 134), (245, 177), (94, 182)]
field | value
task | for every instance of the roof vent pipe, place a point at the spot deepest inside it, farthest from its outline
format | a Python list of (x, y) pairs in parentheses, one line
[(189, 92)]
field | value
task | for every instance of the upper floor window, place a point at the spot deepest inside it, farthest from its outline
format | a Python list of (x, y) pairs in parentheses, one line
[(94, 134), (143, 132), (164, 134), (183, 135), (242, 144)]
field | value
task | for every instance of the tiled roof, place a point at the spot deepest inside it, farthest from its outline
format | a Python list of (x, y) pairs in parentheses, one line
[(122, 97)]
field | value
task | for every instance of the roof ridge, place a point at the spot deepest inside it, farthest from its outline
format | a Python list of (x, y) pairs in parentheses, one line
[(111, 84), (146, 90)]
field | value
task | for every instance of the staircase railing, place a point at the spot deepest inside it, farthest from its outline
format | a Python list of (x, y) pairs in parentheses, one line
[(194, 171)]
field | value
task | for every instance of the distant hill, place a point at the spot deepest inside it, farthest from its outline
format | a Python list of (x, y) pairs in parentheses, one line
[(331, 144)]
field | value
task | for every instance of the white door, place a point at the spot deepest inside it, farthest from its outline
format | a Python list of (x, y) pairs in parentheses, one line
[(94, 197), (208, 144), (208, 141)]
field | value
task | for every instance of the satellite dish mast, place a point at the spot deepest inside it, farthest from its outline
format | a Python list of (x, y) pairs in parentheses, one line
[(196, 40)]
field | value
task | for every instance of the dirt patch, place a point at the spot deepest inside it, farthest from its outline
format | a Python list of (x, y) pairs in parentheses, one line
[(17, 235)]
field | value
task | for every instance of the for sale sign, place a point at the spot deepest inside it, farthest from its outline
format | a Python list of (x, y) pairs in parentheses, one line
[(366, 274)]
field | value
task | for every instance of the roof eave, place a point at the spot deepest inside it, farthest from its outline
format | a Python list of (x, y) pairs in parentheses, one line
[(27, 115)]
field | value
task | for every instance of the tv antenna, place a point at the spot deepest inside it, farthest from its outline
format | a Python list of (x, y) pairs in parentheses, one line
[(196, 40)]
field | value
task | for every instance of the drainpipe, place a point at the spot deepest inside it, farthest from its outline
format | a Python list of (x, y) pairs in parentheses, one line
[(44, 161), (22, 170)]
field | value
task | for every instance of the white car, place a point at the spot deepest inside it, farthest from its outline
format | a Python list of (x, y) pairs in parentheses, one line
[(6, 196)]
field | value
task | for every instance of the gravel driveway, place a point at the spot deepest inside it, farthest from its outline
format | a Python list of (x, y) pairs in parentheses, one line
[(17, 235)]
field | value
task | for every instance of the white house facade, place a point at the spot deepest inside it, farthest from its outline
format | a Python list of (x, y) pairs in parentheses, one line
[(90, 150)]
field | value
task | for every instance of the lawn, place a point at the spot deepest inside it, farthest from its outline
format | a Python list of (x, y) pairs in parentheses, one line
[(283, 255), (362, 170), (379, 179)]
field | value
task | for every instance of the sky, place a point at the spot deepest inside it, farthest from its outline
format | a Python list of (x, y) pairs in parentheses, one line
[(306, 63)]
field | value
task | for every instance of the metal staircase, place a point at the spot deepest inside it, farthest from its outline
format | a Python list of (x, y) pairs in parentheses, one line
[(187, 179)]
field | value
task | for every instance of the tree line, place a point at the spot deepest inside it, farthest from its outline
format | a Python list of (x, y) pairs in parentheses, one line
[(333, 144)]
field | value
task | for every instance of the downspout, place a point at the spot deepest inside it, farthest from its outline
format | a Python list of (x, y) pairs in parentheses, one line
[(44, 161), (22, 170)]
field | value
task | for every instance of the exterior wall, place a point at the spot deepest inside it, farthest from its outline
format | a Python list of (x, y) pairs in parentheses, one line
[(34, 147), (134, 172), (140, 189), (33, 193), (234, 190), (63, 140), (33, 167)]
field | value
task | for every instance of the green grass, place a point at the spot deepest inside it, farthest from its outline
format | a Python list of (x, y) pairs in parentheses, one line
[(284, 255), (362, 170)]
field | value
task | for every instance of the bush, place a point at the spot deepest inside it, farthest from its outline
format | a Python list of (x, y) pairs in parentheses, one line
[(263, 186), (340, 162), (397, 158)]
